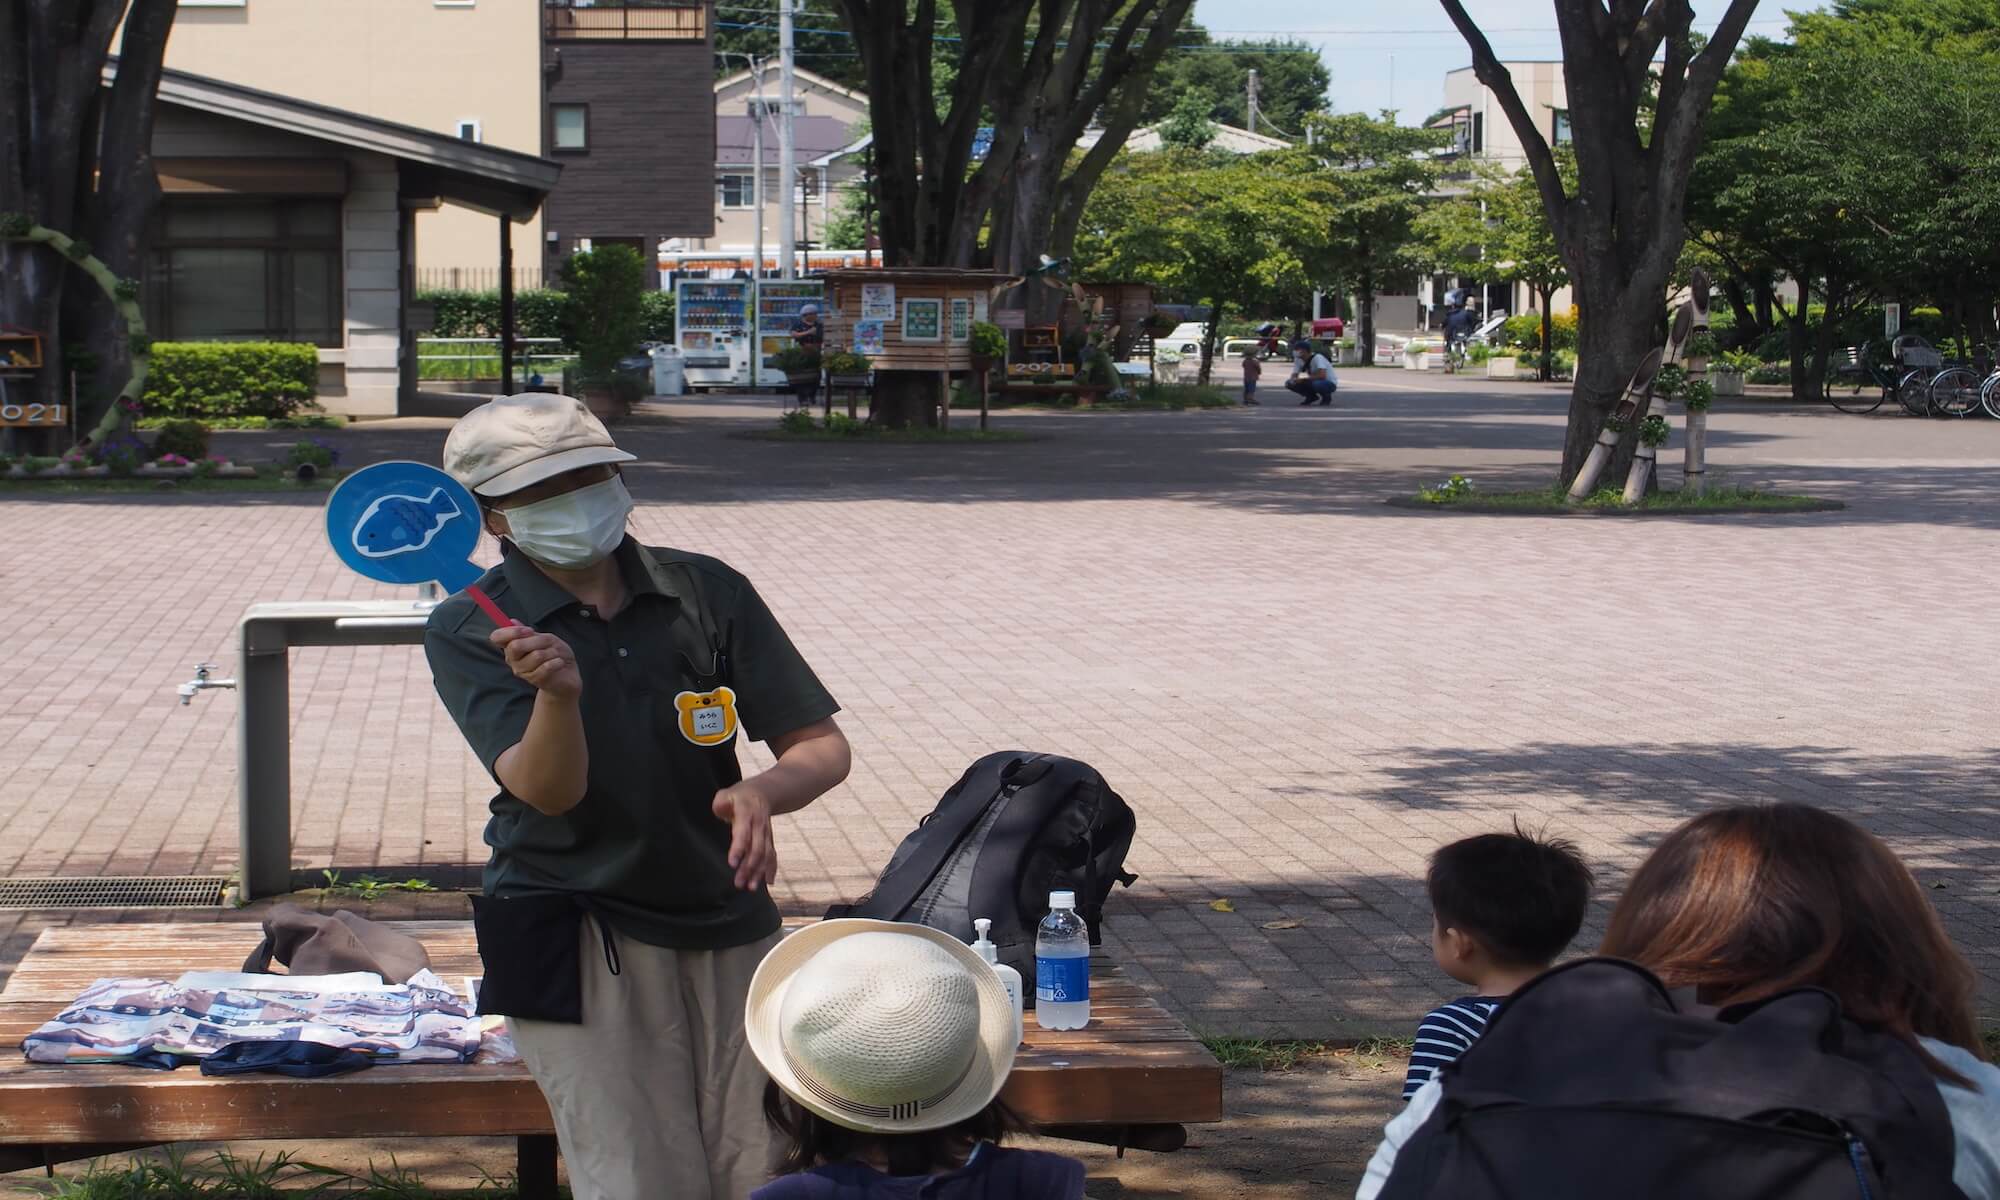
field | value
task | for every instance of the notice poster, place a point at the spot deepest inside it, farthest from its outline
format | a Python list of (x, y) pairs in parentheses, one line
[(961, 319), (868, 337), (923, 320), (878, 301)]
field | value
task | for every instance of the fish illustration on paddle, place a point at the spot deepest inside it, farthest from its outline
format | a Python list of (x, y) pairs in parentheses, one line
[(395, 525)]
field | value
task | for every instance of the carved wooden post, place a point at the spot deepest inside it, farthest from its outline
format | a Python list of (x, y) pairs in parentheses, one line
[(1622, 418), (1698, 393), (1641, 473)]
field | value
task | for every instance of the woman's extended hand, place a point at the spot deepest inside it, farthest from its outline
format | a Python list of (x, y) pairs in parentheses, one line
[(544, 660)]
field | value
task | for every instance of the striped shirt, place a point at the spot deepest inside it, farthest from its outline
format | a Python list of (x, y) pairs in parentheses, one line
[(1446, 1033)]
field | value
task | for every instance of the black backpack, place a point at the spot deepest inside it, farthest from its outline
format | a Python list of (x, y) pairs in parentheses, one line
[(1015, 827), (1589, 1082)]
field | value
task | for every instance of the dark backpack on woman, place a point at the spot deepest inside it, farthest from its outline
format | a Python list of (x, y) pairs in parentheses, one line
[(1590, 1082), (1015, 827)]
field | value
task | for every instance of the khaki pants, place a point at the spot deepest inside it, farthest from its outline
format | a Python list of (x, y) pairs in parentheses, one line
[(656, 1094)]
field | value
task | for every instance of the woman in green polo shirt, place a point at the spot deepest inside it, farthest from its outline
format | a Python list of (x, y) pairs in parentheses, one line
[(625, 906)]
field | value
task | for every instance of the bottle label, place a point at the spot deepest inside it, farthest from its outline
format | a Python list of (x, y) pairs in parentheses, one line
[(1062, 980)]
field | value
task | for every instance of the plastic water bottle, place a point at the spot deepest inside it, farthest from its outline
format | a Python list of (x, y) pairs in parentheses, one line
[(1062, 966)]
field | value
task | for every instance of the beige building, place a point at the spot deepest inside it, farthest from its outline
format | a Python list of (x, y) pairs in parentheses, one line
[(1481, 126), (1482, 134), (470, 69), (828, 120)]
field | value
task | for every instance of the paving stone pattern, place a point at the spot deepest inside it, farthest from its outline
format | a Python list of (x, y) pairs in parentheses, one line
[(1300, 690)]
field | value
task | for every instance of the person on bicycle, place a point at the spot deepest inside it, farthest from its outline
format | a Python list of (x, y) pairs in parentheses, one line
[(1458, 326)]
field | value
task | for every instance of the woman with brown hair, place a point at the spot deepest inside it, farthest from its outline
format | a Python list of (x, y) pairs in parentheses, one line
[(1745, 903)]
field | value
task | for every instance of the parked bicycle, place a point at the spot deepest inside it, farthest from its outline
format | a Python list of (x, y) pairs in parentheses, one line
[(1873, 374)]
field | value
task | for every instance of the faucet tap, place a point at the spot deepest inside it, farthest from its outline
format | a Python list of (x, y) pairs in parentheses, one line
[(201, 682)]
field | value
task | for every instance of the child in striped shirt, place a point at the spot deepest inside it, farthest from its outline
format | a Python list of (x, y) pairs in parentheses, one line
[(1503, 906)]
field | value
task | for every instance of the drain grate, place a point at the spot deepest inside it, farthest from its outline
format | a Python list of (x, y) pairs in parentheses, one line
[(114, 891)]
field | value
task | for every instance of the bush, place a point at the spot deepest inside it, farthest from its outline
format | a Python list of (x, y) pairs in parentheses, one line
[(189, 439), (230, 379), (796, 358), (1525, 331), (846, 362), (989, 340), (314, 452), (604, 318)]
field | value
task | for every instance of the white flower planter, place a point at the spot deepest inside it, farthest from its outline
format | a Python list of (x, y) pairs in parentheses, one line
[(1349, 356), (1502, 368), (1727, 383), (1420, 361)]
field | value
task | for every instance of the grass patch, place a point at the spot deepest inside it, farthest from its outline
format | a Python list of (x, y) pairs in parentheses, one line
[(1460, 495), (172, 1174), (301, 421), (370, 888), (1262, 1054), (135, 486)]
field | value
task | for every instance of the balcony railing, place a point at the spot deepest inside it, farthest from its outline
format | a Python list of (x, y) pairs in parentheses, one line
[(672, 22)]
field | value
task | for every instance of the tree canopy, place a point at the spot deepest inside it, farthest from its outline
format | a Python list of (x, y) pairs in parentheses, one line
[(1238, 233), (1292, 81), (1499, 229)]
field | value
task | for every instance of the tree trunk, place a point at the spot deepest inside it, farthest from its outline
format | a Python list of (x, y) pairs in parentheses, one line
[(1766, 297), (904, 399), (1214, 330), (1611, 339), (1364, 318), (1548, 367), (1797, 344)]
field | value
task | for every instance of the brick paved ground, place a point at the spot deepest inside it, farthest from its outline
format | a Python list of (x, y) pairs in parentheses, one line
[(1301, 691)]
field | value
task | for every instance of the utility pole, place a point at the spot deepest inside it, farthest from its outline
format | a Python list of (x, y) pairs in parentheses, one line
[(1251, 105), (756, 111), (787, 168)]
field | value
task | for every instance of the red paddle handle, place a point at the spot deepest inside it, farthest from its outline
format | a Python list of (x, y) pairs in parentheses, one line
[(486, 605)]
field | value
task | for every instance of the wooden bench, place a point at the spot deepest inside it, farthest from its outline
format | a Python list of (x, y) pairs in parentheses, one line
[(1134, 1077)]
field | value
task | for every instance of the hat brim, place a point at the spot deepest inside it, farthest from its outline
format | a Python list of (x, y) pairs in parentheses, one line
[(528, 474), (992, 1057)]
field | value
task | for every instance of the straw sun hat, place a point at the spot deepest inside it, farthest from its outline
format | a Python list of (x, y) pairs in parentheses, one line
[(881, 1027)]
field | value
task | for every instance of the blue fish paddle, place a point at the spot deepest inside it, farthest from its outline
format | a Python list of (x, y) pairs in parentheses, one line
[(408, 522)]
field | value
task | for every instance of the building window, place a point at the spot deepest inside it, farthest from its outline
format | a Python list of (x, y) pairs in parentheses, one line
[(569, 126), (1561, 132), (1479, 133), (735, 191), (235, 270), (468, 131)]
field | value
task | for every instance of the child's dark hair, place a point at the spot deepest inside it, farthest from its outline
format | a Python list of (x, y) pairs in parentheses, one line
[(1520, 895), (811, 1140)]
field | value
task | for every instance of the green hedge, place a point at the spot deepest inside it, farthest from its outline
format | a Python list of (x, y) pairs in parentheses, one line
[(537, 313), (1525, 330), (230, 379)]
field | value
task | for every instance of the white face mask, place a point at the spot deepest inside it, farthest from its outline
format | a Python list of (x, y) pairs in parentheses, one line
[(575, 529)]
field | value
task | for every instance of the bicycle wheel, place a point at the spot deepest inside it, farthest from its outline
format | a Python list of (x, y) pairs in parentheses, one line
[(1989, 397), (1853, 392), (1955, 392), (1913, 392)]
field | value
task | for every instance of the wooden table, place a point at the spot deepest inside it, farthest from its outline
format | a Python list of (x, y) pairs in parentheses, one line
[(1133, 1077)]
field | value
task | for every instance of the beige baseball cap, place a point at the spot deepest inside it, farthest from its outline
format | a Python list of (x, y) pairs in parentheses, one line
[(515, 442)]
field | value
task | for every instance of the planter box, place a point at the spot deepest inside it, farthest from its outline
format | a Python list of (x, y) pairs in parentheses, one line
[(1727, 383), (1502, 368), (850, 381), (1348, 356), (1417, 362)]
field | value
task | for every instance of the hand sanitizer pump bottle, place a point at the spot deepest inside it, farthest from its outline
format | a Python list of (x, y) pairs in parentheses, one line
[(1009, 977)]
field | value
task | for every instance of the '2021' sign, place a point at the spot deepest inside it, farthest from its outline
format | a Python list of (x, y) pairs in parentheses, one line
[(32, 414)]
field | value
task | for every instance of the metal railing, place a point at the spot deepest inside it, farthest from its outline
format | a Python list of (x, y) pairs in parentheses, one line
[(678, 21)]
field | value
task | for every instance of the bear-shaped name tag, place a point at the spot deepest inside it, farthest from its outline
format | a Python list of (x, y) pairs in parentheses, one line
[(707, 718)]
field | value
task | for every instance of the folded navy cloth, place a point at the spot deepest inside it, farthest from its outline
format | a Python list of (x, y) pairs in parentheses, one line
[(300, 1060)]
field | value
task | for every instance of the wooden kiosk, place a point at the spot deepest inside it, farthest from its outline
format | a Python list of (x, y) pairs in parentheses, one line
[(910, 318)]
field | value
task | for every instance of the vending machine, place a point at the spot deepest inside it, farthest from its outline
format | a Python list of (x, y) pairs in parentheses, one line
[(712, 320), (778, 305)]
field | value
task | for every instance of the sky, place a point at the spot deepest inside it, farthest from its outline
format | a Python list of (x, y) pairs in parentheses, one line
[(1395, 53)]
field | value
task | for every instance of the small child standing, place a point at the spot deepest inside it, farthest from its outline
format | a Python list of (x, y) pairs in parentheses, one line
[(1503, 907), (1252, 368)]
